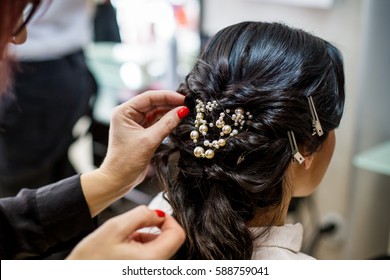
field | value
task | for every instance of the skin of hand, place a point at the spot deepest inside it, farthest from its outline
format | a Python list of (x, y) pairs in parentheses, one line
[(117, 238), (136, 131)]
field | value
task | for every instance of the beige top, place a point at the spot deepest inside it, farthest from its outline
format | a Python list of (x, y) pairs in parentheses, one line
[(282, 242)]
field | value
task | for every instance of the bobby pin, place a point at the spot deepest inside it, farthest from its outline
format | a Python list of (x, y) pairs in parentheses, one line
[(294, 148), (315, 120)]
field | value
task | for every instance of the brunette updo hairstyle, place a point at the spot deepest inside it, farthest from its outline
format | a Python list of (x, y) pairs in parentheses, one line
[(269, 70)]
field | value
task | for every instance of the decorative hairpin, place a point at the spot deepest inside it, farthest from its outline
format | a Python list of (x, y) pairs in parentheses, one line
[(227, 129), (317, 128), (294, 148)]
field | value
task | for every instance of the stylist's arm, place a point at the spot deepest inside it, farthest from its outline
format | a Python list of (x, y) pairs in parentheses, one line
[(131, 145), (117, 238)]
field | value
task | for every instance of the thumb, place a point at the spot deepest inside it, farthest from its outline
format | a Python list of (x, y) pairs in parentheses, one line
[(135, 219), (167, 123)]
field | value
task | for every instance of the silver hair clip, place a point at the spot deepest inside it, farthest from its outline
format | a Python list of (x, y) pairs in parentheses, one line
[(294, 148), (226, 130), (240, 159), (314, 117)]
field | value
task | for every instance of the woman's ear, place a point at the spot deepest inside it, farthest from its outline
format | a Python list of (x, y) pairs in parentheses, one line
[(308, 161)]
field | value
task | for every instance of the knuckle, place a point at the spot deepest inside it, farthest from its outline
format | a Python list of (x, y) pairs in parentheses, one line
[(170, 124), (112, 224), (144, 210)]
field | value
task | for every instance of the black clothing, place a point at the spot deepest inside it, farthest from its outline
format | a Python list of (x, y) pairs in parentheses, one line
[(106, 27), (48, 219), (36, 122)]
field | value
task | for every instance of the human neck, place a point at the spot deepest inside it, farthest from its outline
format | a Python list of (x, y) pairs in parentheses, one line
[(271, 217)]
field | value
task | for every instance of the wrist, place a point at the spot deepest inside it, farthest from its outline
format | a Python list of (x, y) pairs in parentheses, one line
[(100, 190)]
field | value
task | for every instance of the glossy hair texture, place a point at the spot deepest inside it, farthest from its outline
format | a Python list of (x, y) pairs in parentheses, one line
[(268, 69), (10, 12)]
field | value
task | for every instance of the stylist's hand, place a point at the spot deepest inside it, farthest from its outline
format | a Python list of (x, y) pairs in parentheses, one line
[(133, 139), (117, 238), (131, 145)]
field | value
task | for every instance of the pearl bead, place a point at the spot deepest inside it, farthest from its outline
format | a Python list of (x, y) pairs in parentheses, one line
[(194, 135), (209, 154), (203, 129), (219, 123), (199, 152), (239, 111), (221, 142), (199, 116), (206, 143), (226, 129)]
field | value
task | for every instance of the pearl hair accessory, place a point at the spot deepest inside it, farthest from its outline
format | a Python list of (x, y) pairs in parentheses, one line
[(208, 147)]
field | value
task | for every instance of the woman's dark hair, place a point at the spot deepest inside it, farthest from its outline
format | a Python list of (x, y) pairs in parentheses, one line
[(269, 70)]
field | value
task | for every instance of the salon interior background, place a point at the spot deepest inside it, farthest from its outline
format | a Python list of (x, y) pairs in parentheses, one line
[(356, 198)]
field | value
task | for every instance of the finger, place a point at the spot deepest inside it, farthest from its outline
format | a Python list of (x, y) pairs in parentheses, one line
[(165, 125), (152, 117), (137, 218), (171, 238), (149, 100), (138, 108), (143, 237)]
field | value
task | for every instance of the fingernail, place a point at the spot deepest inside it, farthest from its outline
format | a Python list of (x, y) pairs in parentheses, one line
[(160, 213), (183, 112)]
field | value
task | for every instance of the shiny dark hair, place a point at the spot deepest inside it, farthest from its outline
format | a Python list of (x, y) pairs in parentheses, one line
[(269, 69)]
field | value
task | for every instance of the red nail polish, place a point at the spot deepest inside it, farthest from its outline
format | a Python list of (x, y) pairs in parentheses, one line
[(183, 112), (160, 213), (149, 118)]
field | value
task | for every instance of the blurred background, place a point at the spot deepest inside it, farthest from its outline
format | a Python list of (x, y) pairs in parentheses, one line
[(152, 44)]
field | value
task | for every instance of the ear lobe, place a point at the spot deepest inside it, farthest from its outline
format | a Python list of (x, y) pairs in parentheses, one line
[(308, 162)]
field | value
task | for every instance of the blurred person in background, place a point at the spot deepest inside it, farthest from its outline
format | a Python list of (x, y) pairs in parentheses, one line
[(106, 27), (37, 221), (52, 88)]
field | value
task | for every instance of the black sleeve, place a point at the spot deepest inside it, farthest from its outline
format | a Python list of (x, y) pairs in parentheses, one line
[(35, 221)]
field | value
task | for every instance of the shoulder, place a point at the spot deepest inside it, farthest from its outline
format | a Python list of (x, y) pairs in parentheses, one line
[(281, 243), (277, 253)]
